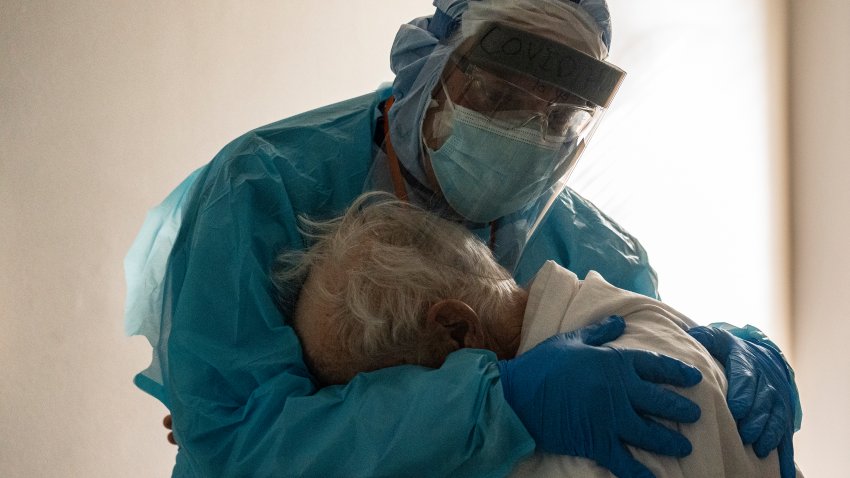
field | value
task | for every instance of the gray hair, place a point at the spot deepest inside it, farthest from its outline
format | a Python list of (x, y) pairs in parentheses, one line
[(383, 264)]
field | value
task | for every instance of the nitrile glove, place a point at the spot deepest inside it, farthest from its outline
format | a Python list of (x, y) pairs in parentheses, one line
[(760, 395), (577, 397)]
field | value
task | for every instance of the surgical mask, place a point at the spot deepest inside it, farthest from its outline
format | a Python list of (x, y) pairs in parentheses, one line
[(487, 171)]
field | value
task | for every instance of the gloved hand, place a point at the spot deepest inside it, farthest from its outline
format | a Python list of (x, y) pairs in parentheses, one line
[(759, 394), (578, 398)]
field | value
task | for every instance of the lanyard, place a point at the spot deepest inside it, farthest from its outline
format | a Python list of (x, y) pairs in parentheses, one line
[(395, 170), (392, 159)]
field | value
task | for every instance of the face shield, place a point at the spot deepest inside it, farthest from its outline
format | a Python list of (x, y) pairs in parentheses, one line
[(512, 112)]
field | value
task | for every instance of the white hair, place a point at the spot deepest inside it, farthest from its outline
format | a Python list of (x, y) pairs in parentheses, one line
[(378, 269)]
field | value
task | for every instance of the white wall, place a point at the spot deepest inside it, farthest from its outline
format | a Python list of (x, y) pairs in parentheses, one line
[(691, 156), (106, 106), (820, 168)]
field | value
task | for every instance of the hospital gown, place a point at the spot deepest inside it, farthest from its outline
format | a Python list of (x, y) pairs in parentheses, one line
[(560, 302)]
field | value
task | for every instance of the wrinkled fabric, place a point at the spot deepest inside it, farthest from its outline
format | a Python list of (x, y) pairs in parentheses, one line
[(753, 335), (762, 391), (144, 271), (580, 237), (560, 302), (608, 402), (231, 371)]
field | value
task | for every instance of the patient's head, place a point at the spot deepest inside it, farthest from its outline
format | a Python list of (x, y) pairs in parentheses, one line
[(388, 284)]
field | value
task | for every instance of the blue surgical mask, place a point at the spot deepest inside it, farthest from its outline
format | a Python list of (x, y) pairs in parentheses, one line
[(486, 171)]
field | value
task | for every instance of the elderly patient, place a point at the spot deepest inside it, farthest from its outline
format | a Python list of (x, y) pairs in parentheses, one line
[(389, 284)]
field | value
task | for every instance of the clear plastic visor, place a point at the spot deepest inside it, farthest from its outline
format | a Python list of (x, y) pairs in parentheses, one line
[(509, 117), (527, 109), (521, 106), (517, 102)]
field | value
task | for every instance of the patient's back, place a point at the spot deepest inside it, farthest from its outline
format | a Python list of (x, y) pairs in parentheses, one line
[(559, 302)]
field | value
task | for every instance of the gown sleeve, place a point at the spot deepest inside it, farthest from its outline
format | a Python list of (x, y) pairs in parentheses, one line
[(230, 369)]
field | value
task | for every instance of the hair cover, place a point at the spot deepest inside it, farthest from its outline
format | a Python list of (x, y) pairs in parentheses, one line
[(423, 46)]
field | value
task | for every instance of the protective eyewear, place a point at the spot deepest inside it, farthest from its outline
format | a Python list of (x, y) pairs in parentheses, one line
[(561, 118)]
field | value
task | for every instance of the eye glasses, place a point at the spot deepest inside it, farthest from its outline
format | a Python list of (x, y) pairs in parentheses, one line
[(513, 106)]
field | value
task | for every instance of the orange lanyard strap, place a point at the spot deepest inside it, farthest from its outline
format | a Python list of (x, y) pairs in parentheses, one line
[(392, 159), (395, 169), (492, 243)]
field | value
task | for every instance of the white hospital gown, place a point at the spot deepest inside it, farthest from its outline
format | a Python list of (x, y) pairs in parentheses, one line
[(560, 302)]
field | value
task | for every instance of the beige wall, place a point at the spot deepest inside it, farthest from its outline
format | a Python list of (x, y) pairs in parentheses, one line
[(820, 169), (691, 157), (105, 106)]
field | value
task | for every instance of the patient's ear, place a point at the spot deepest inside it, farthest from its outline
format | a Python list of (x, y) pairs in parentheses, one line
[(455, 321)]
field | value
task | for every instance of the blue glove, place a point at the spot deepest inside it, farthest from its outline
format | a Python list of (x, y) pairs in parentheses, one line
[(578, 398), (760, 394)]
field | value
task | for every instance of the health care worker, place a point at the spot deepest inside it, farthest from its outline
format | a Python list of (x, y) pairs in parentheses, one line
[(492, 105)]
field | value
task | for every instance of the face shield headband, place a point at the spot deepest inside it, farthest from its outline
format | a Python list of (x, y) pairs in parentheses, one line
[(501, 47)]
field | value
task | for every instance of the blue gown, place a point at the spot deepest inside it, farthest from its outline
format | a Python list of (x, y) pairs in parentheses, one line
[(230, 370)]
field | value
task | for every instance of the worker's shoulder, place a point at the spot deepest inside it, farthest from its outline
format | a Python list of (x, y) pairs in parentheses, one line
[(341, 129), (348, 116)]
